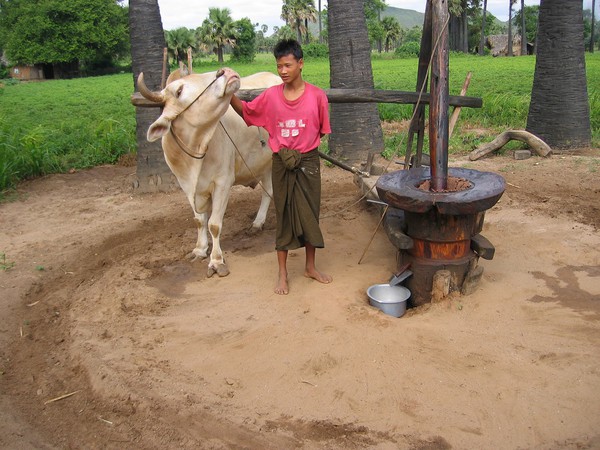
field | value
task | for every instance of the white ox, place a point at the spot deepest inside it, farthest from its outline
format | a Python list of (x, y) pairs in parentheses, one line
[(209, 149)]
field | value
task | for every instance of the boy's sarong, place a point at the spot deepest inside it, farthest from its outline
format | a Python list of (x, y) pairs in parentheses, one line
[(297, 198)]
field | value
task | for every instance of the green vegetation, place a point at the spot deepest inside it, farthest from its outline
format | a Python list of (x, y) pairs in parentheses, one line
[(4, 264), (245, 47), (59, 125), (66, 34)]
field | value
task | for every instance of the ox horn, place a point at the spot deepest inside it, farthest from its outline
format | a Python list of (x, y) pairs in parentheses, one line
[(156, 97)]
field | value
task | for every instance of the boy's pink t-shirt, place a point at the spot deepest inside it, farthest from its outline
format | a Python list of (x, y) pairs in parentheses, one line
[(297, 124)]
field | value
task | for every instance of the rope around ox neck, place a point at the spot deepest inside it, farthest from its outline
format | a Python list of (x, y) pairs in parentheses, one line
[(178, 140)]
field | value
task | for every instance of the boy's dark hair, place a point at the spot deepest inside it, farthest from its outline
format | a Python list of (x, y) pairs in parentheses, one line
[(288, 47)]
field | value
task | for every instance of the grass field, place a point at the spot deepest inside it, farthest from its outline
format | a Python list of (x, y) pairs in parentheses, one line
[(58, 125)]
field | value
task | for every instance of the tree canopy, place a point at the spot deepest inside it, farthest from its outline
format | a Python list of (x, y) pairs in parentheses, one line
[(217, 30), (245, 41), (178, 41), (297, 14), (62, 31)]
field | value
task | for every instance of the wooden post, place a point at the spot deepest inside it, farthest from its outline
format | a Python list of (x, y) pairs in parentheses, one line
[(163, 80), (438, 107), (417, 124)]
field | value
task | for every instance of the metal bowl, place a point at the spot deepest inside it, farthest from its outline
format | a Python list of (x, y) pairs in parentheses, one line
[(389, 299)]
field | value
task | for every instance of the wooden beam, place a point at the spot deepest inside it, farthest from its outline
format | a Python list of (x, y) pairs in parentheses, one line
[(377, 96), (350, 96)]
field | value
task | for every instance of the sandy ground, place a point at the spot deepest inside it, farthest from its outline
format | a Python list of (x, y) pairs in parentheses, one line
[(98, 301)]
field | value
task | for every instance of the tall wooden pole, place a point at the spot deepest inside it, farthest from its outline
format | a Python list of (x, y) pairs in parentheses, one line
[(438, 108), (417, 124)]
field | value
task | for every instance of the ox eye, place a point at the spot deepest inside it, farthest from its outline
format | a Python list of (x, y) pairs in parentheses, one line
[(220, 73), (178, 93)]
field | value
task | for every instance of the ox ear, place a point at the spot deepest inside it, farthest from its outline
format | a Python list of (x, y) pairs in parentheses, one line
[(158, 129), (176, 75)]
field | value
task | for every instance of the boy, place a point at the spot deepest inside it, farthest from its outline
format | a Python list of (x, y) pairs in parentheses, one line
[(296, 116)]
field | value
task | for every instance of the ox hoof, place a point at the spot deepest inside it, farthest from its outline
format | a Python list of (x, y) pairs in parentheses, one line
[(220, 270), (196, 256), (254, 230)]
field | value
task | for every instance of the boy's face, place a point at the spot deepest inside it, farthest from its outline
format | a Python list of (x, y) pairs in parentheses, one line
[(289, 68)]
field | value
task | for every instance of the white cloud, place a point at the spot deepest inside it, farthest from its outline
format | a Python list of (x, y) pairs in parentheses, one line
[(183, 13)]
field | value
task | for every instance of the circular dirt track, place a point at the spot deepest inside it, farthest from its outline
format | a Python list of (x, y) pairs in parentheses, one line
[(101, 303)]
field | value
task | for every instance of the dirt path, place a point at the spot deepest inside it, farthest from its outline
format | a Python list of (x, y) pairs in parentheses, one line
[(101, 303)]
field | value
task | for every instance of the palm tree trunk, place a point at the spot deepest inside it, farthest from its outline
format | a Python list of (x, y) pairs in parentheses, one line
[(320, 25), (306, 32), (592, 30), (379, 43), (510, 37), (454, 32), (458, 33), (523, 30), (356, 129), (465, 30), (147, 44), (299, 30), (482, 39), (559, 111)]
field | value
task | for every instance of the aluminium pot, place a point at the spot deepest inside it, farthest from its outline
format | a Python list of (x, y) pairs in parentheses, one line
[(389, 299)]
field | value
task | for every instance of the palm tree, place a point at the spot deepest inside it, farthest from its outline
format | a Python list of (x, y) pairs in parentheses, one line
[(356, 126), (147, 44), (297, 14), (559, 111), (392, 31), (178, 41), (217, 30)]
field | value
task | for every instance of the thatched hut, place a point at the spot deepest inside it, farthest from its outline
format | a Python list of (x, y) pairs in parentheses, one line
[(498, 45)]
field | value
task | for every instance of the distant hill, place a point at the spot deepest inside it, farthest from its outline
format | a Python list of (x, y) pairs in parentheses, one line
[(407, 18)]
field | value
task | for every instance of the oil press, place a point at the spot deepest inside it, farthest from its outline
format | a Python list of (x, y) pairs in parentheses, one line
[(436, 213)]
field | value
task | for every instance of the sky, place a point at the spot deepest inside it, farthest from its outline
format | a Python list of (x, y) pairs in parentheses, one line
[(191, 14)]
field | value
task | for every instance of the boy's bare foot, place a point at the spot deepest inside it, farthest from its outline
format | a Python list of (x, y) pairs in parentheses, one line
[(282, 287), (319, 276)]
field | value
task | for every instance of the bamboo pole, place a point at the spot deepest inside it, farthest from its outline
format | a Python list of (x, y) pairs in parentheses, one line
[(456, 111)]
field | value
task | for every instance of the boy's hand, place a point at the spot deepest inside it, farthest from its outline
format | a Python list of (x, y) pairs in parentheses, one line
[(236, 104)]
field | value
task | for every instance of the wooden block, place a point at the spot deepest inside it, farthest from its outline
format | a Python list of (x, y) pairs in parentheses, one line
[(394, 226), (472, 280), (441, 286), (484, 248)]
